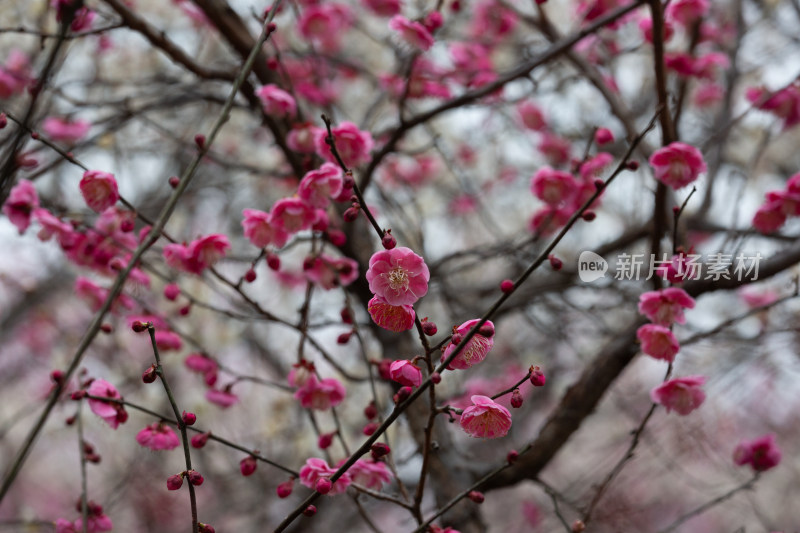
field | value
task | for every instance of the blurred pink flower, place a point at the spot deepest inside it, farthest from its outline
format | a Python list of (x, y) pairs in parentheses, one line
[(292, 215), (65, 130), (412, 33), (761, 453), (784, 103), (665, 306), (405, 372), (276, 102), (99, 190), (485, 418), (677, 165), (683, 395), (370, 474), (532, 116), (320, 395), (685, 12), (554, 187), (113, 413), (330, 272), (158, 436), (324, 24), (354, 146), (318, 186), (262, 232), (316, 469), (197, 255), (658, 342), (398, 275), (15, 74), (223, 398), (20, 204)]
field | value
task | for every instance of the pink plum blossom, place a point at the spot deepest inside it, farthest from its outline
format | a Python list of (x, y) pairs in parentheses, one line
[(770, 217), (261, 231), (300, 373), (784, 103), (554, 187), (485, 418), (411, 32), (158, 436), (292, 215), (325, 23), (223, 398), (65, 130), (168, 340), (665, 306), (316, 469), (646, 27), (353, 145), (531, 115), (683, 395), (603, 136), (405, 373), (320, 395), (20, 204), (761, 453), (548, 219), (399, 276), (276, 101), (370, 474), (658, 342), (15, 74), (330, 272), (318, 186), (99, 190), (392, 317), (112, 412), (301, 138), (492, 20), (685, 12), (677, 164), (555, 148), (197, 255), (707, 95), (476, 349), (383, 8)]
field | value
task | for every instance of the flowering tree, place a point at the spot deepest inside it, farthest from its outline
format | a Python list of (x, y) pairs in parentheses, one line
[(372, 265)]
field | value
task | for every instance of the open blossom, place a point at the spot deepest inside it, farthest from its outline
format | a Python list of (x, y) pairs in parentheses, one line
[(476, 349), (761, 453), (677, 164), (492, 20), (683, 395), (198, 254), (658, 341), (21, 202), (325, 23), (64, 130), (330, 272), (485, 418), (665, 306), (260, 231), (14, 74), (316, 469), (99, 190), (392, 317), (405, 373), (412, 32), (223, 398), (398, 275), (292, 215), (532, 116), (352, 144), (112, 412), (554, 187), (770, 217), (320, 395), (686, 11), (276, 101), (158, 436), (318, 186), (784, 103), (168, 340), (370, 474)]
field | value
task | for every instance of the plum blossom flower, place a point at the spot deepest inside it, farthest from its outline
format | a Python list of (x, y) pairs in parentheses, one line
[(555, 148), (223, 398), (318, 186), (383, 8), (197, 255), (260, 231), (168, 340), (683, 395), (329, 272), (99, 190), (532, 116), (320, 395), (65, 130), (300, 373), (485, 418), (492, 20), (96, 521), (761, 453), (392, 317), (21, 203), (658, 342), (399, 276), (204, 365), (292, 215), (411, 32), (301, 138), (784, 103), (476, 349), (405, 373), (554, 187), (316, 469), (352, 144), (276, 101), (370, 474), (112, 412), (665, 306), (770, 217), (325, 23), (685, 12), (158, 436), (677, 164), (15, 74)]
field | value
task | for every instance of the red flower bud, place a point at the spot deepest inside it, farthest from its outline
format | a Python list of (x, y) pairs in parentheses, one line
[(325, 440), (512, 456), (310, 510), (506, 286), (57, 376), (285, 489), (537, 376), (175, 482), (578, 526), (149, 375), (632, 165), (475, 496), (588, 216), (351, 213), (273, 261), (486, 330), (555, 262), (324, 485), (436, 378), (139, 326), (194, 477), (248, 465), (337, 237), (516, 399), (429, 328), (370, 411), (344, 338), (347, 316), (370, 428), (200, 440), (174, 181), (380, 449), (388, 241), (106, 328), (205, 528), (200, 140), (250, 275), (402, 394), (189, 418)]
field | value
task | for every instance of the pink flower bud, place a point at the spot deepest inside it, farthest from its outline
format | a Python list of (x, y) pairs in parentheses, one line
[(429, 328), (250, 275), (248, 465), (475, 496), (632, 165), (351, 213), (325, 440), (436, 378), (198, 441), (555, 262), (370, 428), (537, 376), (507, 286), (402, 394), (588, 216), (337, 237), (106, 328), (380, 449), (138, 326), (344, 338), (194, 477), (200, 140), (174, 482), (324, 485), (310, 510), (512, 457), (516, 399), (486, 330), (603, 136), (273, 261), (205, 528), (174, 181), (284, 490), (388, 240), (347, 316), (370, 411), (189, 418), (57, 376), (149, 375)]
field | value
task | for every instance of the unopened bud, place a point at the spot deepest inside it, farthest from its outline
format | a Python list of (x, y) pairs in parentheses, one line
[(149, 375), (250, 275), (516, 399), (325, 440), (139, 326), (324, 485), (174, 482), (475, 496), (198, 441), (555, 262), (388, 240), (189, 418), (578, 526), (370, 428), (512, 457), (380, 449), (344, 338), (284, 490), (310, 510), (537, 376), (506, 286), (194, 477), (436, 378), (429, 328), (248, 465)]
